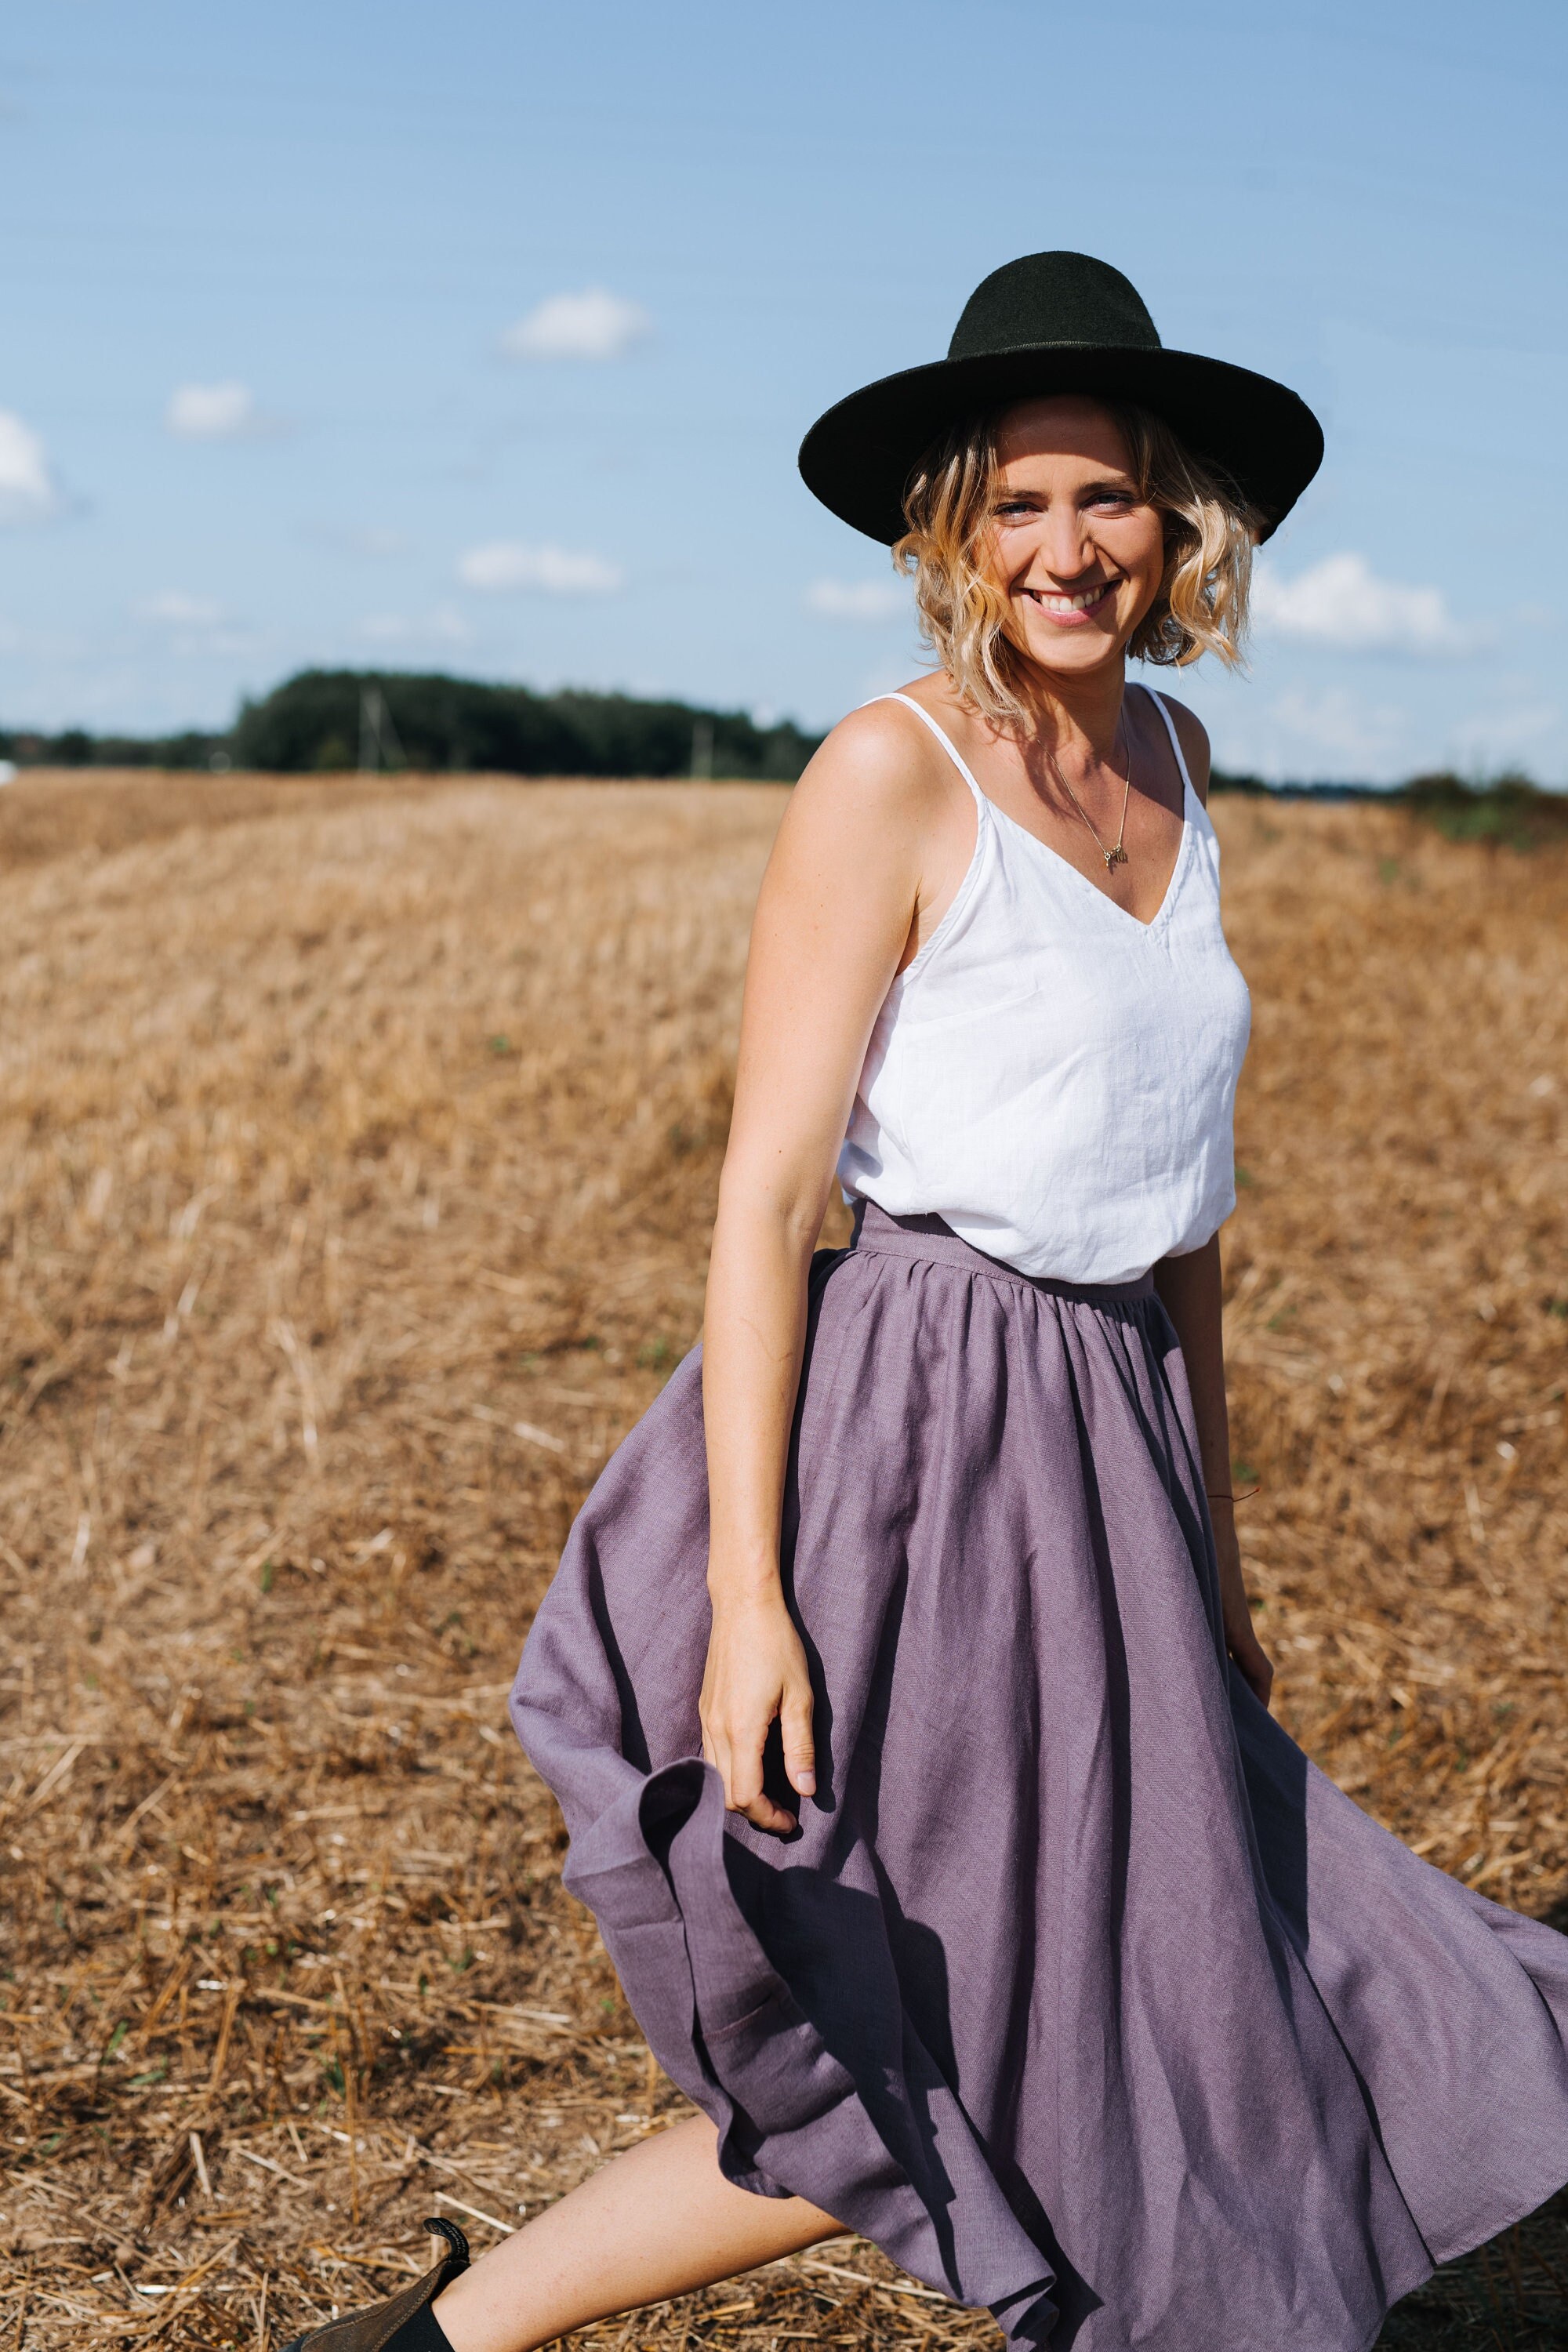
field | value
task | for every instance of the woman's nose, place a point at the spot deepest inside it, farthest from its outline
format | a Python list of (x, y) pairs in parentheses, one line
[(1064, 544)]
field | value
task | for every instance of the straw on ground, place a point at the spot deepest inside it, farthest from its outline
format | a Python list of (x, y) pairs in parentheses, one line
[(357, 1154)]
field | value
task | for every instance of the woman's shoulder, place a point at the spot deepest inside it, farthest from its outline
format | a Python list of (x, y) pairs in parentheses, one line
[(887, 727), (1193, 737), (882, 755)]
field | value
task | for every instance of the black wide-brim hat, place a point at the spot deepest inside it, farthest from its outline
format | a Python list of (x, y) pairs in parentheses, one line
[(1054, 322)]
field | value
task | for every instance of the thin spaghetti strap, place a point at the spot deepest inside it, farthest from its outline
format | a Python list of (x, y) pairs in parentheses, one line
[(1159, 704), (942, 736)]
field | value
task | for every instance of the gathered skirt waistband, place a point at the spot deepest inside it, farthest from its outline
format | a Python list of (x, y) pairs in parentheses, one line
[(929, 1237)]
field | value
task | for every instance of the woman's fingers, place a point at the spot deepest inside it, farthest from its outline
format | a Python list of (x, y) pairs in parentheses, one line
[(1252, 1661), (737, 1757), (757, 1674), (1254, 1665), (742, 1776), (799, 1749)]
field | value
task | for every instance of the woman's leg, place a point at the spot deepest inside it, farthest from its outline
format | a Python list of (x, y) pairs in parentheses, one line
[(659, 2221)]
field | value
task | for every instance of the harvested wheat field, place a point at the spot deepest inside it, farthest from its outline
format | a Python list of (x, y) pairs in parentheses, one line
[(358, 1145)]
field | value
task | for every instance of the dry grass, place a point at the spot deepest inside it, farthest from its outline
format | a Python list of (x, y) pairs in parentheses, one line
[(357, 1150)]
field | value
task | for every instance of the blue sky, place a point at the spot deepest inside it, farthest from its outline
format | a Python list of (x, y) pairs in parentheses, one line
[(482, 337)]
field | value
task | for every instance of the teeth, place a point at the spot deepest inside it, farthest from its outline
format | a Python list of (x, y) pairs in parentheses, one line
[(1056, 603)]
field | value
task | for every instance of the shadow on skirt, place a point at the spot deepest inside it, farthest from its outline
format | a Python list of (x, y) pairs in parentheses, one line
[(1078, 1991)]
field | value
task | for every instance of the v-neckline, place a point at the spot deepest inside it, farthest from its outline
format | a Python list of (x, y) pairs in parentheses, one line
[(985, 800), (1158, 916)]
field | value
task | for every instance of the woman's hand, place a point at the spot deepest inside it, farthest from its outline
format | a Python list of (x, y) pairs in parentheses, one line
[(1253, 1662), (756, 1674)]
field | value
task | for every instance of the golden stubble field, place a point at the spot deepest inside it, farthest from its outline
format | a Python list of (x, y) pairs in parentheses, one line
[(358, 1145)]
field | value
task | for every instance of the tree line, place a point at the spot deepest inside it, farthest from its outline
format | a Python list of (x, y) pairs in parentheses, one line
[(324, 721)]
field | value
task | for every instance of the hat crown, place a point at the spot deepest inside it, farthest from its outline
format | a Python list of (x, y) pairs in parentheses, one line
[(1053, 298)]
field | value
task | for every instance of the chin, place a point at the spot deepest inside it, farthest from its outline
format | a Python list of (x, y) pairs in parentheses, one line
[(1074, 650)]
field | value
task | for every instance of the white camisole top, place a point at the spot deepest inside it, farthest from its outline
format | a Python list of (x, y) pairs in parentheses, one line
[(1052, 1077)]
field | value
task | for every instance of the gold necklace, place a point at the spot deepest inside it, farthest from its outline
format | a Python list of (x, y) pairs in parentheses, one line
[(1116, 855)]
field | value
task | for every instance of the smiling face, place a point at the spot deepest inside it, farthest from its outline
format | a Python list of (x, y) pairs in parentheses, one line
[(1074, 546)]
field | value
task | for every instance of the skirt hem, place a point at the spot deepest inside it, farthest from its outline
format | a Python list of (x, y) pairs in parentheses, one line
[(792, 2120)]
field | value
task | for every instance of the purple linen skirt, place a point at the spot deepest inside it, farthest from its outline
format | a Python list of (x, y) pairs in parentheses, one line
[(1079, 1990)]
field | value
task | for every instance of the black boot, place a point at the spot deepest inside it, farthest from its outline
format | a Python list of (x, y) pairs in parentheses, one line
[(381, 2328)]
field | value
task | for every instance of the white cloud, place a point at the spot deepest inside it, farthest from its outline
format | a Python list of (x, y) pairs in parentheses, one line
[(506, 564), (27, 489), (444, 625), (858, 600), (212, 412), (1342, 603), (178, 610), (593, 325)]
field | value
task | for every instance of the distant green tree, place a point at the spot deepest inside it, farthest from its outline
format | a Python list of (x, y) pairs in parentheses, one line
[(455, 724), (311, 720), (1509, 810), (75, 747)]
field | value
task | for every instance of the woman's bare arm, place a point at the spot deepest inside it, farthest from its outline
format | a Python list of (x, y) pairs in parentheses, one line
[(867, 824), (1190, 1288)]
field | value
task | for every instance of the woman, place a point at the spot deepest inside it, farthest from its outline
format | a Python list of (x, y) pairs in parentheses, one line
[(998, 1919)]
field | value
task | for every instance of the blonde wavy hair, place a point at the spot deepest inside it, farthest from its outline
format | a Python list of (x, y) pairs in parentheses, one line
[(966, 619)]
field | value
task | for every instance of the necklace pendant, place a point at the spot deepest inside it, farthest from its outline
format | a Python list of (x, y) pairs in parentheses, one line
[(1117, 857)]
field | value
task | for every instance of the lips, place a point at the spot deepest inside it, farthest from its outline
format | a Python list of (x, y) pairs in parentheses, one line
[(1057, 606)]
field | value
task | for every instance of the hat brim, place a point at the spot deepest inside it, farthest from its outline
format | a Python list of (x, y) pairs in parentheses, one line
[(859, 456)]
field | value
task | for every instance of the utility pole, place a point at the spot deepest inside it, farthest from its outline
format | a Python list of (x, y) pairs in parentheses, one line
[(378, 742), (702, 749)]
